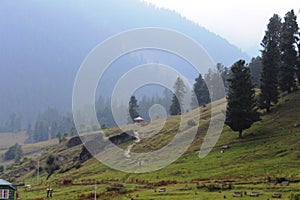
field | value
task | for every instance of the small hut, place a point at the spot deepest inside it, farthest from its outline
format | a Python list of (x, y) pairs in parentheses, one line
[(7, 190), (138, 120)]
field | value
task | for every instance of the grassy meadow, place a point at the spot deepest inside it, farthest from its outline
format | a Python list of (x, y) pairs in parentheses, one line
[(269, 152)]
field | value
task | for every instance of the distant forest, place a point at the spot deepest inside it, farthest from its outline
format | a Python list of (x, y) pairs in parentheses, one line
[(51, 122)]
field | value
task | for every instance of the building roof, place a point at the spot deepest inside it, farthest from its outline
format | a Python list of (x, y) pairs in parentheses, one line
[(138, 118), (6, 183)]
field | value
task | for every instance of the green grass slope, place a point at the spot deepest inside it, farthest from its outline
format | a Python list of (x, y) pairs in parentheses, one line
[(269, 151)]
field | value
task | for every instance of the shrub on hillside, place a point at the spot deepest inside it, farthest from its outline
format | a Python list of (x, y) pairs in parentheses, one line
[(14, 152), (51, 165)]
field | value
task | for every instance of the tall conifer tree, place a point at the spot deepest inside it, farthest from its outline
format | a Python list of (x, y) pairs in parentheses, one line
[(241, 108), (200, 93), (178, 97), (288, 52), (270, 64)]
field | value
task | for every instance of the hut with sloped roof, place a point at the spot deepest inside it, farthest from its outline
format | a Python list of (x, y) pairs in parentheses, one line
[(7, 190)]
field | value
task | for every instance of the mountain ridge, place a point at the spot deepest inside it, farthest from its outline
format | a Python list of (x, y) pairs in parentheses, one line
[(43, 43)]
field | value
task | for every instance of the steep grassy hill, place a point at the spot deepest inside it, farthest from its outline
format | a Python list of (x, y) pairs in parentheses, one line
[(268, 153)]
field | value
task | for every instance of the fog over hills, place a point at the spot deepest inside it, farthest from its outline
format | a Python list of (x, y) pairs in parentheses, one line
[(43, 43)]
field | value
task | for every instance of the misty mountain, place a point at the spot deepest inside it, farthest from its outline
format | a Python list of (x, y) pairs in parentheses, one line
[(43, 43)]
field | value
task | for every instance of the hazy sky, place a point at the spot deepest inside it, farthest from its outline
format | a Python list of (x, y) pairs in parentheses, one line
[(241, 22)]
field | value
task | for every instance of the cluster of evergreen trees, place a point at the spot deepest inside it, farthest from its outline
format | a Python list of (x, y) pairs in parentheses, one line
[(13, 124), (48, 124), (135, 108), (14, 152), (51, 124), (280, 59), (175, 104), (280, 68), (276, 70), (200, 93)]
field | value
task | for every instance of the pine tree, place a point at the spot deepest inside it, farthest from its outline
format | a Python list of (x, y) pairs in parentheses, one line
[(241, 112), (59, 137), (224, 73), (270, 64), (288, 52), (18, 153), (175, 108), (256, 67), (200, 93), (214, 81), (167, 99), (133, 108), (178, 97)]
